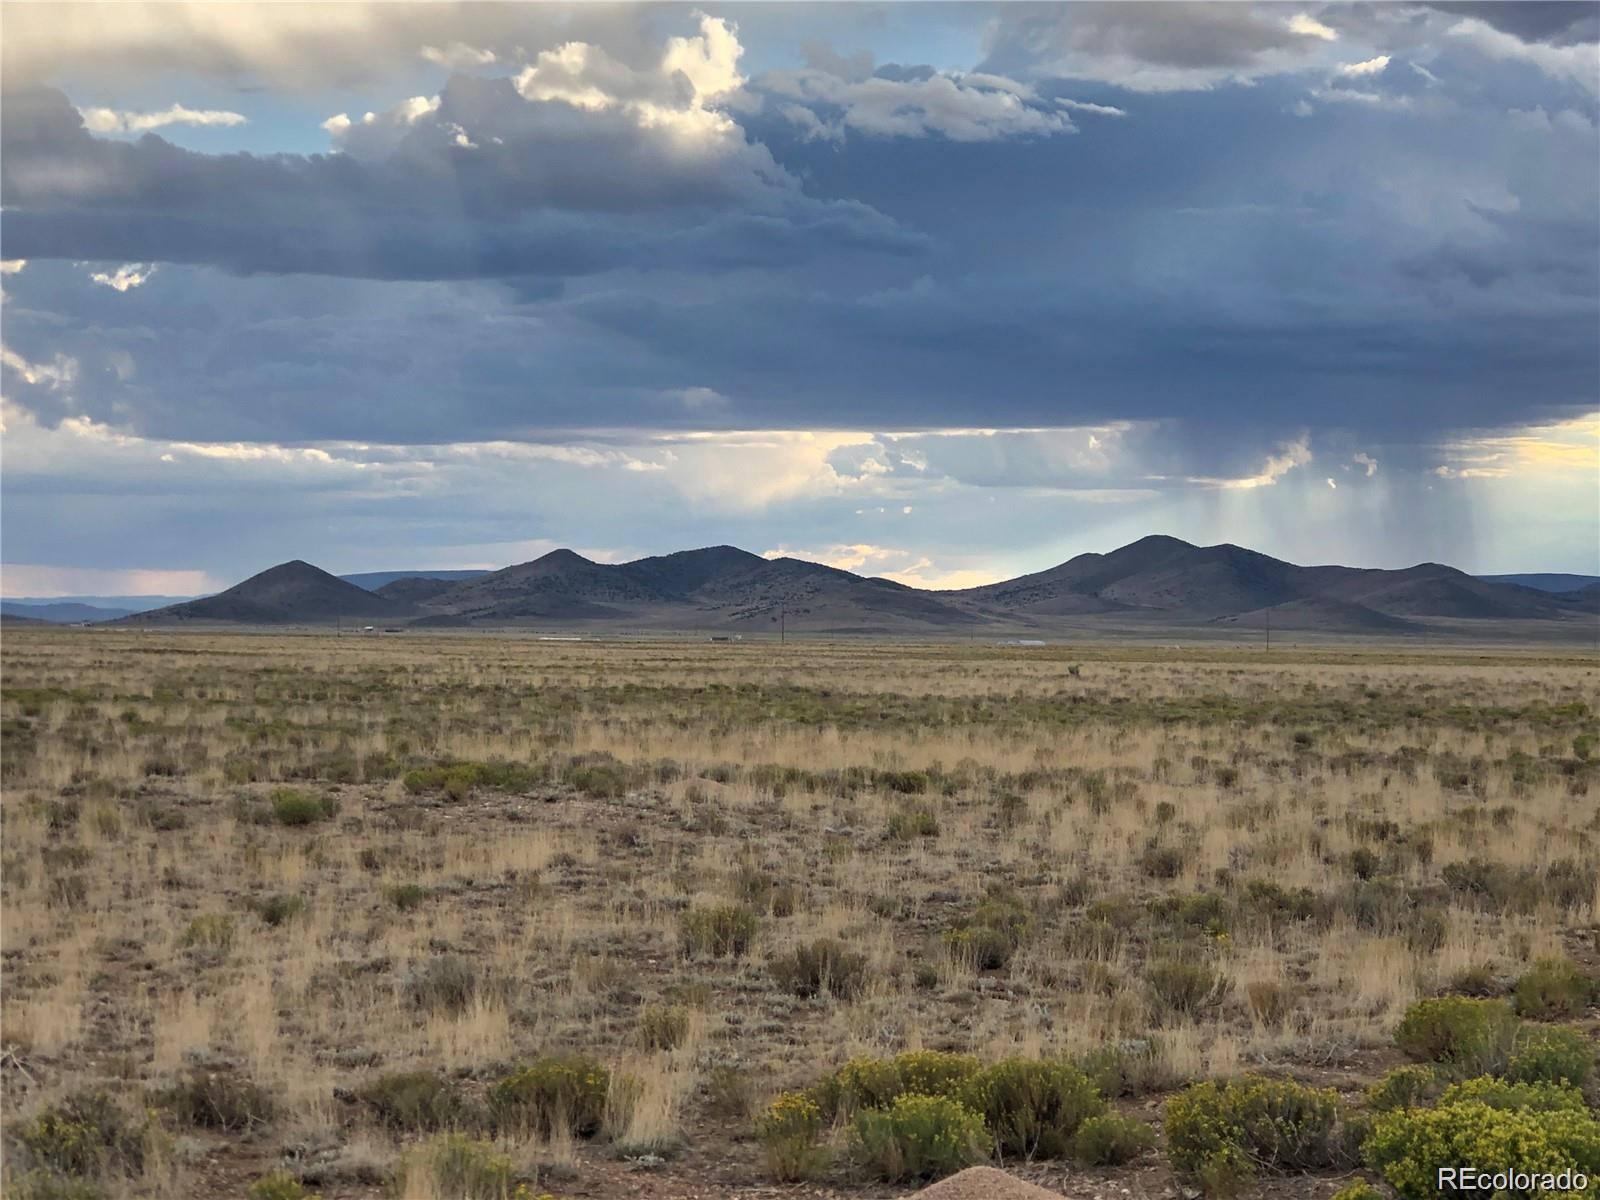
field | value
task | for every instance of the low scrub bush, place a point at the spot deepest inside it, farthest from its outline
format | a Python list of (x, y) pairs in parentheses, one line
[(1405, 1087), (279, 1185), (279, 909), (407, 896), (825, 965), (1409, 1147), (879, 1082), (443, 984), (550, 1094), (663, 1026), (605, 780), (409, 1101), (1471, 1037), (790, 1133), (455, 1165), (1545, 1054), (209, 931), (918, 1137), (85, 1134), (989, 938), (1129, 1068), (913, 822), (293, 807), (1110, 1140), (1270, 1001), (1182, 987), (1554, 989), (458, 779), (1497, 1093), (726, 931), (1033, 1107), (45, 1185), (1220, 1134), (217, 1100)]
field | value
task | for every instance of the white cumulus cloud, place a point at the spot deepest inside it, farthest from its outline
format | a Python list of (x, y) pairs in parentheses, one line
[(110, 120), (458, 55), (1372, 66), (125, 278)]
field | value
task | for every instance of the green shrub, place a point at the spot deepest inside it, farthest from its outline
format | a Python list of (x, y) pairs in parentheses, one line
[(825, 965), (454, 1165), (458, 779), (790, 1133), (278, 1185), (86, 1133), (918, 1137), (1128, 1068), (1409, 1147), (446, 983), (552, 1093), (1183, 987), (1552, 990), (1472, 1037), (1110, 1140), (1220, 1134), (725, 931), (217, 1100), (414, 1100), (1405, 1087), (1546, 1054), (1497, 1093), (280, 909), (292, 807), (1033, 1107), (602, 780), (907, 783)]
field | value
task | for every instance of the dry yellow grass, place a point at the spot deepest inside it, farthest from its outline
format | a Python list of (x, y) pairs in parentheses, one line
[(139, 772)]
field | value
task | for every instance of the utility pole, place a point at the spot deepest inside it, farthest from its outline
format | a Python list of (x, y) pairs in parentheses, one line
[(1268, 614), (783, 625)]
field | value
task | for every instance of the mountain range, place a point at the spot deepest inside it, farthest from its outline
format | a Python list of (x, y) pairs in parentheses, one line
[(1157, 582)]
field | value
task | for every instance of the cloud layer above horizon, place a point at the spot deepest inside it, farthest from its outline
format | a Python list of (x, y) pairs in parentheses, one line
[(944, 292)]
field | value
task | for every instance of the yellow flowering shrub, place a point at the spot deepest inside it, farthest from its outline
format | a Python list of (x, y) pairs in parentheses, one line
[(1409, 1146), (790, 1133)]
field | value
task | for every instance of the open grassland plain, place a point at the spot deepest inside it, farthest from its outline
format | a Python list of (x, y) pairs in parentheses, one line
[(487, 917)]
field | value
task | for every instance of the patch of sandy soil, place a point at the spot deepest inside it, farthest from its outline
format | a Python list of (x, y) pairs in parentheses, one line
[(985, 1183)]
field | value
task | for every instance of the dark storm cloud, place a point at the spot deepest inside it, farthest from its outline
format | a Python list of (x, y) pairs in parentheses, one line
[(1368, 271), (1561, 22), (543, 189), (1152, 46)]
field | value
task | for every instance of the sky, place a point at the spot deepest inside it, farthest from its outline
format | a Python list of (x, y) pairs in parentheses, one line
[(945, 293)]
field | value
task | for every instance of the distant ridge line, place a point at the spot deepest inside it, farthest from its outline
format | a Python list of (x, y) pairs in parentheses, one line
[(1157, 580)]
